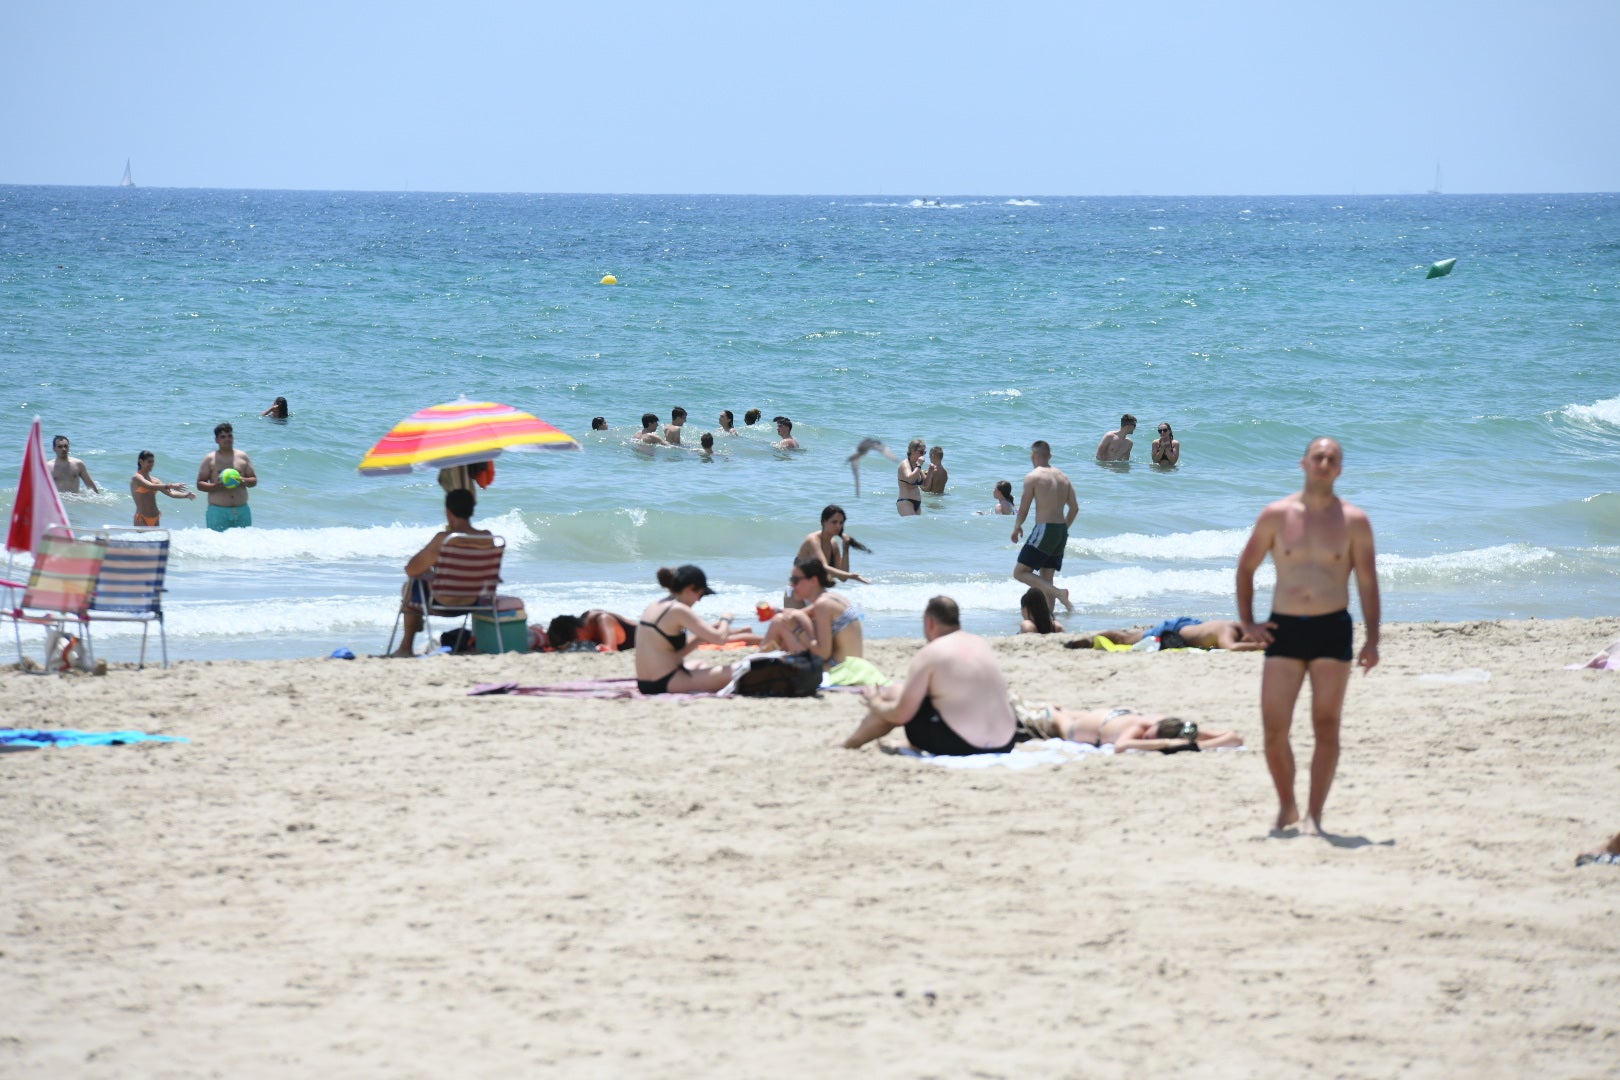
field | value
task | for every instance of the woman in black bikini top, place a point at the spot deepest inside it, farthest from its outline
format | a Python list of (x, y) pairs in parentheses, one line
[(661, 655), (912, 475)]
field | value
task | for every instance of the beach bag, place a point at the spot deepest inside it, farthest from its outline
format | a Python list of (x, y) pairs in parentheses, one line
[(792, 675)]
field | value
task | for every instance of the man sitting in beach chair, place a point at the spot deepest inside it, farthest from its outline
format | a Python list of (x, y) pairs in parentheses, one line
[(455, 574)]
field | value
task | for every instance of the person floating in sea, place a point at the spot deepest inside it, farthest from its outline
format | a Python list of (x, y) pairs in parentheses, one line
[(648, 435), (751, 417), (1055, 510), (1166, 448), (727, 423), (459, 504), (1182, 632), (1316, 540), (143, 488), (672, 430), (599, 423), (954, 697), (784, 431), (66, 470), (1116, 445), (226, 475), (1002, 493), (277, 410), (937, 476), (912, 474)]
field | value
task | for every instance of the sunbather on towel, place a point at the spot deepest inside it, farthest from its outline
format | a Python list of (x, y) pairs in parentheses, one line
[(670, 629), (1608, 853), (954, 698), (1123, 727), (1183, 632)]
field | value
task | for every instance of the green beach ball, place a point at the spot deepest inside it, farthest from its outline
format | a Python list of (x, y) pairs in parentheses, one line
[(231, 478)]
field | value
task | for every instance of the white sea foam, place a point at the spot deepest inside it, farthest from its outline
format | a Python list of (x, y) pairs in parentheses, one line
[(1022, 202), (1202, 544), (1457, 567), (1606, 411), (336, 543)]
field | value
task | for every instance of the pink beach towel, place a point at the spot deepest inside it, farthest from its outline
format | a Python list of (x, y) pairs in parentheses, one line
[(1607, 660), (592, 689)]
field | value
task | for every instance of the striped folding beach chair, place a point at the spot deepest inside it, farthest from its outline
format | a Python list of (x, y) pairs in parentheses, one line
[(130, 585), (463, 583), (59, 586)]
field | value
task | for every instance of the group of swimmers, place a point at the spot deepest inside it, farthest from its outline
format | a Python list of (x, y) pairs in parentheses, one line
[(651, 434), (225, 475)]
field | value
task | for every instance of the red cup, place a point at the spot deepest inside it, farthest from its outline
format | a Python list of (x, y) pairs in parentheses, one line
[(765, 611)]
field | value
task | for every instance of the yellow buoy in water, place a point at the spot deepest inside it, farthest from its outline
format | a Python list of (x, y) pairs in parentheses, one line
[(608, 279)]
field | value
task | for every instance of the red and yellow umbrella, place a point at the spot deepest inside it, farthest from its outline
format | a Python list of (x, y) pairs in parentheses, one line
[(460, 433)]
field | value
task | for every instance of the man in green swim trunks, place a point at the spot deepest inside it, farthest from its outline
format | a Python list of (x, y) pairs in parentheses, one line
[(227, 506), (1055, 510)]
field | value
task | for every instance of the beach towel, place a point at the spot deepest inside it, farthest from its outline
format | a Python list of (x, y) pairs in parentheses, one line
[(33, 737), (592, 689), (1025, 755), (854, 671), (1607, 660)]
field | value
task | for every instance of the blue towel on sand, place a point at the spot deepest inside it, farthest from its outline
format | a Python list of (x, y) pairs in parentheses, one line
[(1172, 626), (34, 737)]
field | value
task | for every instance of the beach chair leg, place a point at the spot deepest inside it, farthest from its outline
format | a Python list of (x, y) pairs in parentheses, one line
[(163, 639), (140, 665)]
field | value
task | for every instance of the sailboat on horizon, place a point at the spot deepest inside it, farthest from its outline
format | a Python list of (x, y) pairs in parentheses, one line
[(1436, 189), (128, 180)]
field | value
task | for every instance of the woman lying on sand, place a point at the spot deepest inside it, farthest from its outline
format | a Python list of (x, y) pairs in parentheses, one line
[(828, 624), (1608, 853), (669, 629), (1213, 634), (1124, 727)]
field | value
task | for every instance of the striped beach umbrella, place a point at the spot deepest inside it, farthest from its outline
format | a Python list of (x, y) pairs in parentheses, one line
[(460, 433)]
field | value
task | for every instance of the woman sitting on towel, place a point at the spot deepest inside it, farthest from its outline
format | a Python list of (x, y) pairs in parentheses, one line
[(826, 624), (1123, 727), (1036, 612), (669, 629)]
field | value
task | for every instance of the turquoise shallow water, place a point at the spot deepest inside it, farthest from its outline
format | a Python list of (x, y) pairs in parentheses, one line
[(1480, 412)]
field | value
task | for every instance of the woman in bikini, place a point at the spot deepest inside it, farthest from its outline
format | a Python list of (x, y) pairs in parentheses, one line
[(669, 629), (912, 475), (1036, 612), (1124, 728), (827, 624), (143, 488), (832, 547)]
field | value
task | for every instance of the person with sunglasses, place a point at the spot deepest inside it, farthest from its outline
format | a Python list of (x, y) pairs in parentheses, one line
[(1166, 448), (828, 624)]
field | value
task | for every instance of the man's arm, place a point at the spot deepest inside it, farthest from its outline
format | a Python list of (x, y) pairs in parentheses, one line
[(203, 483), (84, 474), (1023, 510), (885, 712), (1363, 560), (1254, 554), (423, 560), (1072, 501), (1104, 446), (249, 477)]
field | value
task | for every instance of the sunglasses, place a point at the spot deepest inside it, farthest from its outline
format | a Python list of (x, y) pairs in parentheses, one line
[(794, 579)]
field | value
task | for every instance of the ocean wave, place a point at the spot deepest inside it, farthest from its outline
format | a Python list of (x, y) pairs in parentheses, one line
[(1465, 567), (1201, 544), (1606, 412), (1022, 202), (336, 543)]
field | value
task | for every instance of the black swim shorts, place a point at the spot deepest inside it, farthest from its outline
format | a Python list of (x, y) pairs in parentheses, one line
[(928, 731), (1045, 546), (1312, 637)]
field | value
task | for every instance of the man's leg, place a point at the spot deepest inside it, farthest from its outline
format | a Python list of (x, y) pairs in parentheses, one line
[(1329, 679), (1280, 681), (1043, 581)]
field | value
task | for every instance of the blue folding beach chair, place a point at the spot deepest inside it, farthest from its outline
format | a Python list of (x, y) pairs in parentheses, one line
[(130, 585)]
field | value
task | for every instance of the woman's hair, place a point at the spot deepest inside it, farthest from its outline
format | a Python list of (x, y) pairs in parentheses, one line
[(1174, 727), (829, 510), (814, 568), (725, 414), (1037, 610), (915, 445), (1004, 489), (562, 631), (280, 408), (142, 456), (850, 541), (751, 416), (683, 577)]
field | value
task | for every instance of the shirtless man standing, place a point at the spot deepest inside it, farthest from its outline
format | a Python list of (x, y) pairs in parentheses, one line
[(954, 697), (784, 429), (143, 487), (672, 430), (227, 506), (1055, 510), (68, 471), (935, 484), (1116, 445), (1315, 540)]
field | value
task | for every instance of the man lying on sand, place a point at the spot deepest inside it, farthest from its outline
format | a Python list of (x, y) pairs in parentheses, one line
[(1183, 632), (954, 698), (1122, 726)]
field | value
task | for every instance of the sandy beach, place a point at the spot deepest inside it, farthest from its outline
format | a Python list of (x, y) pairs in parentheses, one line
[(354, 868)]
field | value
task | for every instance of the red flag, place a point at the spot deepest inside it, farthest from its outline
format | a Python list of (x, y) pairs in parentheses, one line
[(38, 504)]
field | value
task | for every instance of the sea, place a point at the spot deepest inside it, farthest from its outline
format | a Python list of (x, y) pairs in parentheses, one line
[(1479, 411)]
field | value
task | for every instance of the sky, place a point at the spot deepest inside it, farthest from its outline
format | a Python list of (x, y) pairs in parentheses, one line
[(1155, 97)]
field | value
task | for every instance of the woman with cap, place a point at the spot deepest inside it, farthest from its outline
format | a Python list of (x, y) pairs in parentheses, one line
[(672, 630)]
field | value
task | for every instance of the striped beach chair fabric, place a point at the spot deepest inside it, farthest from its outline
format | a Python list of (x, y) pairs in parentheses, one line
[(60, 586), (463, 582), (130, 585)]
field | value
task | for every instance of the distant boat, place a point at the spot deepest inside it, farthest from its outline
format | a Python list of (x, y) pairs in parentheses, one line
[(128, 180), (1436, 189)]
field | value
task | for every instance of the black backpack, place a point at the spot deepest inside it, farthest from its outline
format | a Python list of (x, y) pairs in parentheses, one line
[(793, 675)]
